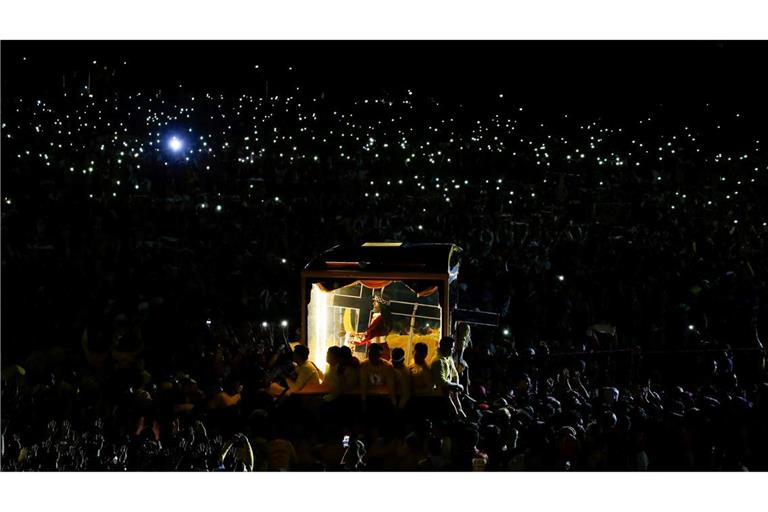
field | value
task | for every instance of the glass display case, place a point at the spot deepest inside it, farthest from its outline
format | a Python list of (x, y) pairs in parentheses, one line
[(393, 293), (345, 316)]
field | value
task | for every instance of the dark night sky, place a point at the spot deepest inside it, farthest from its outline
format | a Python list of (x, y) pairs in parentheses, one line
[(577, 74)]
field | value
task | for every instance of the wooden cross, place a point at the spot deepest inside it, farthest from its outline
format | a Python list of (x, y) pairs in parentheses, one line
[(364, 304)]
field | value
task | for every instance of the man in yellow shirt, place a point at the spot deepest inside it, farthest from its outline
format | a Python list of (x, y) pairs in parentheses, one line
[(445, 375), (306, 373), (227, 397), (375, 372), (402, 378), (332, 378), (348, 370), (420, 373)]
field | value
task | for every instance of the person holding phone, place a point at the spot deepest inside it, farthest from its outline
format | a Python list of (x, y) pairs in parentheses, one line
[(354, 454)]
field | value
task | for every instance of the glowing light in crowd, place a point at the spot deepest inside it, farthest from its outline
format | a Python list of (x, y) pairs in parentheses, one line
[(284, 323), (175, 144)]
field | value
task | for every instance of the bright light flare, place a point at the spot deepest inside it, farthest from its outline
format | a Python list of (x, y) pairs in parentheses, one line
[(318, 320), (175, 144)]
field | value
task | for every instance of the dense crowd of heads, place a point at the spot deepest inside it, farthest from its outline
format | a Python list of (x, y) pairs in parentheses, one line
[(152, 242)]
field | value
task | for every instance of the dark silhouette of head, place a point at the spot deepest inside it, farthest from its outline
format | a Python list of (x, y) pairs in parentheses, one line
[(300, 354), (420, 351), (398, 357), (374, 353), (446, 346), (333, 356)]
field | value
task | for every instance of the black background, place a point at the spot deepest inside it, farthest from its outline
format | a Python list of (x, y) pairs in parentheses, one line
[(602, 75)]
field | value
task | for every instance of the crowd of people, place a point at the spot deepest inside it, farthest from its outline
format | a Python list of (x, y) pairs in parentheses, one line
[(152, 242)]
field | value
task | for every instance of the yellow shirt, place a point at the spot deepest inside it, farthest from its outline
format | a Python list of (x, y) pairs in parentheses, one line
[(350, 379), (306, 373), (332, 377), (402, 385), (444, 372), (333, 382), (402, 380), (381, 374), (223, 399), (421, 380)]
